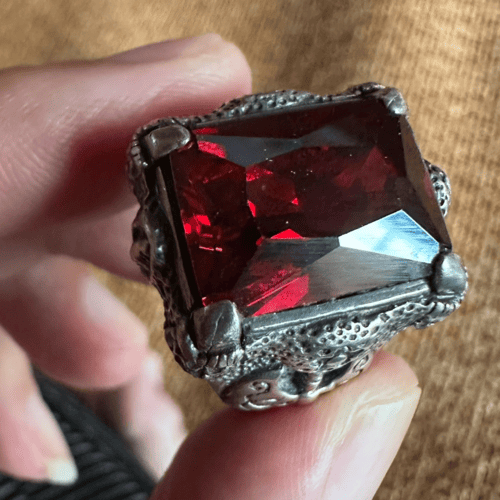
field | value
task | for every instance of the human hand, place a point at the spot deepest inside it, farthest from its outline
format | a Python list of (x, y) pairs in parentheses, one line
[(64, 198)]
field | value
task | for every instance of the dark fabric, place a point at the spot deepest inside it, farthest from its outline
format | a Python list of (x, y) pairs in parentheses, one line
[(107, 470)]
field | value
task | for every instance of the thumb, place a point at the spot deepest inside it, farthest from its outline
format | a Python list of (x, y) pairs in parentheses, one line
[(340, 447)]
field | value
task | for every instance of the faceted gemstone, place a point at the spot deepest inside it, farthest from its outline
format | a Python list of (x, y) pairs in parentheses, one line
[(300, 206)]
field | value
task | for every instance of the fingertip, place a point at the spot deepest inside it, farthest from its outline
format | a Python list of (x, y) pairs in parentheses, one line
[(368, 442), (166, 50), (105, 343), (202, 80), (32, 445), (116, 342), (308, 452), (240, 67), (149, 419), (84, 336), (103, 309), (387, 372)]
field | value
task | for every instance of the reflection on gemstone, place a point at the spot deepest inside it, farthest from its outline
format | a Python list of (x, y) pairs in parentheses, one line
[(301, 206), (386, 252), (288, 234), (246, 151), (286, 297), (397, 235), (346, 271)]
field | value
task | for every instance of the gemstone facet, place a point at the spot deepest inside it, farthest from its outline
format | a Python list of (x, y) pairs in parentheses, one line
[(299, 206)]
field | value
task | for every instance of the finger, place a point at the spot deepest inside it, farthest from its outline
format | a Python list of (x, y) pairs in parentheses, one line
[(32, 447), (64, 128), (173, 49), (149, 419), (338, 448), (104, 242), (71, 326), (145, 415)]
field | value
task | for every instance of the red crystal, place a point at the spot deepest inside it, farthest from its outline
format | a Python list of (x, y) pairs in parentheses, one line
[(271, 204)]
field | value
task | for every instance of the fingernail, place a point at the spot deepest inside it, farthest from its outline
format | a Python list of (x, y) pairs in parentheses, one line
[(170, 49), (49, 441), (62, 472), (104, 308), (364, 442)]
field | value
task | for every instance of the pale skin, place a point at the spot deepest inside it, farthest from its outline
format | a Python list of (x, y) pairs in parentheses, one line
[(64, 200)]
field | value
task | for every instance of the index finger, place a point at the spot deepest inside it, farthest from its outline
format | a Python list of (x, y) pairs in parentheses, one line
[(65, 127)]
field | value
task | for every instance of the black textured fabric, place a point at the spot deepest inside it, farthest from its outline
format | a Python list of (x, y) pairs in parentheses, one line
[(107, 469)]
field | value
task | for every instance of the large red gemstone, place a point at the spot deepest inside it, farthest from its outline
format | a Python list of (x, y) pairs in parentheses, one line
[(300, 206)]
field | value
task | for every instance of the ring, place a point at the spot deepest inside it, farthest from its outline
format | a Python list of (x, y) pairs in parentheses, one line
[(291, 236)]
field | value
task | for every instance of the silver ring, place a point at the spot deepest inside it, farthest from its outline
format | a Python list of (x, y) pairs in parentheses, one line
[(291, 236)]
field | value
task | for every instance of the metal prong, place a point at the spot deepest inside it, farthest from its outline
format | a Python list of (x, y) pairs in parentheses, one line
[(395, 103), (217, 327), (162, 141), (450, 276)]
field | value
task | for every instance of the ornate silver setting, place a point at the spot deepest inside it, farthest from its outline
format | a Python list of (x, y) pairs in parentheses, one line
[(294, 355)]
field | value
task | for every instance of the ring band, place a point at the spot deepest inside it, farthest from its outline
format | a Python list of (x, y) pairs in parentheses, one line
[(291, 236)]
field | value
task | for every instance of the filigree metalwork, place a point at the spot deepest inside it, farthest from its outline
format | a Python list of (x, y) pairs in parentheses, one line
[(441, 185)]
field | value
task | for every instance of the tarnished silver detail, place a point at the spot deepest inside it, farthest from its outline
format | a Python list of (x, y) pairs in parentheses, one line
[(217, 334), (293, 355), (296, 355), (162, 141), (263, 103), (441, 185), (450, 277), (374, 238), (382, 298), (395, 103), (364, 89)]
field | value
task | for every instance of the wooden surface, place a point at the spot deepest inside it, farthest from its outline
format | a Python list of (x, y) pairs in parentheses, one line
[(445, 57)]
